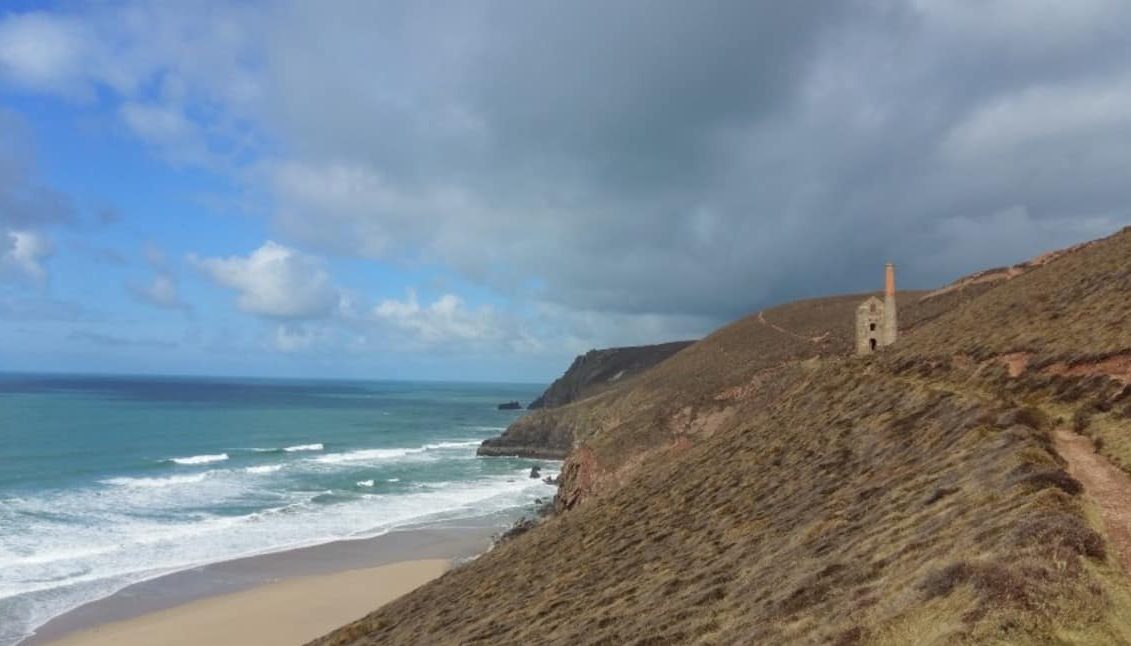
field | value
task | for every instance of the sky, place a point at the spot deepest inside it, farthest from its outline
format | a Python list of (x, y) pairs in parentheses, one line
[(479, 190)]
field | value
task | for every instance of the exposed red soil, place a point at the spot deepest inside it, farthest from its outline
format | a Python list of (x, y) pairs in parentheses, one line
[(1117, 367), (1016, 362)]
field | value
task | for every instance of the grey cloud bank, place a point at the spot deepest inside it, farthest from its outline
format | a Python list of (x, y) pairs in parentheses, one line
[(675, 159)]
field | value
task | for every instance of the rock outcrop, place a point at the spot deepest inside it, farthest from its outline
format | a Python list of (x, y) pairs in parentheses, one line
[(537, 436)]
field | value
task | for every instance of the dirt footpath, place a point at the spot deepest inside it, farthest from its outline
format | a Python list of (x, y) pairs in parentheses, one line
[(1104, 483)]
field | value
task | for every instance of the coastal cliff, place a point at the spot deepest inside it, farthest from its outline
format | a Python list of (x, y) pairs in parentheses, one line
[(766, 486), (545, 434)]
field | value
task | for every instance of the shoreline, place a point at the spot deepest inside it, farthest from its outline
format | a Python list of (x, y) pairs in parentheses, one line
[(340, 569)]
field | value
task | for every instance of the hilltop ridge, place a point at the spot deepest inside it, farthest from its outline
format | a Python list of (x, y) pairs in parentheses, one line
[(765, 486), (598, 370)]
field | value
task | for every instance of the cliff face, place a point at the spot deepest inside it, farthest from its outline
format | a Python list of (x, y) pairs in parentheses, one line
[(546, 434), (531, 437), (598, 370), (765, 486)]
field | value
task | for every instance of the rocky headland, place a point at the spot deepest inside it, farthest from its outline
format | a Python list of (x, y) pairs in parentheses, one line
[(598, 370), (540, 434)]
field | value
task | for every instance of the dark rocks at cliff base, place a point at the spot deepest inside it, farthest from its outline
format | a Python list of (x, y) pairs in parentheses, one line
[(528, 439), (535, 472), (510, 406), (520, 527), (598, 370), (545, 508), (550, 480)]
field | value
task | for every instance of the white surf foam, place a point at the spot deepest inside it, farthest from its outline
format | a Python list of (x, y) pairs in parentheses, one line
[(69, 547), (156, 482), (201, 459), (304, 447), (362, 455), (453, 445)]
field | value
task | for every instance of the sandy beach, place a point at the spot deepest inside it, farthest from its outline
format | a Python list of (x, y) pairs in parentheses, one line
[(292, 611), (282, 598)]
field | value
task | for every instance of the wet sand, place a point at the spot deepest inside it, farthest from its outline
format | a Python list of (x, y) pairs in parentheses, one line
[(282, 598)]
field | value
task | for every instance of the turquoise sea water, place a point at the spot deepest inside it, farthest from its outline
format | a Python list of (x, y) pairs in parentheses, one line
[(105, 481)]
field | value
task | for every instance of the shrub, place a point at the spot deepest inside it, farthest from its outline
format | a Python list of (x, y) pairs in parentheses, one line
[(1061, 530), (940, 583), (1082, 419), (1052, 478)]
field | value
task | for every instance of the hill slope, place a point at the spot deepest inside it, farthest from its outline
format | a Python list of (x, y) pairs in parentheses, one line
[(762, 487)]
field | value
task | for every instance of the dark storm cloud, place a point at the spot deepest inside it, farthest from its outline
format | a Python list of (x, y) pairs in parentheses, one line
[(704, 159), (634, 94)]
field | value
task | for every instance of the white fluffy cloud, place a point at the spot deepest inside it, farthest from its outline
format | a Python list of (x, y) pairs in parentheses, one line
[(22, 254), (446, 320), (275, 281)]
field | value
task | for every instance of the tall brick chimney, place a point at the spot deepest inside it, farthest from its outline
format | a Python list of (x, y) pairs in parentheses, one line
[(891, 326)]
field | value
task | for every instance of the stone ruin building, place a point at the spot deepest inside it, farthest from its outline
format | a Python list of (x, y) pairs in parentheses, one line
[(876, 324)]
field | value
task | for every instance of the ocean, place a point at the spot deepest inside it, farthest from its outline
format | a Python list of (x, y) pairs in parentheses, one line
[(107, 481)]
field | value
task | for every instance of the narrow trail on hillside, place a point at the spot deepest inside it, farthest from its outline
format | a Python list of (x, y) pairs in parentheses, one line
[(1106, 484), (813, 339)]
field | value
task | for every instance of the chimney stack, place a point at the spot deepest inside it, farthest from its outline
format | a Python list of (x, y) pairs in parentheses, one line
[(891, 325)]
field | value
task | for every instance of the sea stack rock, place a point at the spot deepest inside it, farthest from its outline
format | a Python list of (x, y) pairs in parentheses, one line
[(510, 406)]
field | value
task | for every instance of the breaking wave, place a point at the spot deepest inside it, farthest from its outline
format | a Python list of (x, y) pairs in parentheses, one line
[(156, 482), (304, 447), (200, 459)]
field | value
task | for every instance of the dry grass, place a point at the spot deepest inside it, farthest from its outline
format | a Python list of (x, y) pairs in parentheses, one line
[(759, 487), (814, 519), (1075, 308)]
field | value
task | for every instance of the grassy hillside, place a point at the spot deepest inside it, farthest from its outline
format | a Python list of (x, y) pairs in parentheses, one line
[(1060, 334), (690, 393), (764, 487)]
